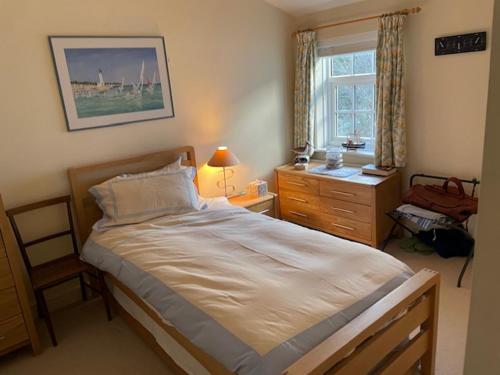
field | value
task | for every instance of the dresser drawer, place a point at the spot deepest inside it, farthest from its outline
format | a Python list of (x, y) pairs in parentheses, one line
[(296, 198), (352, 229), (297, 183), (265, 208), (9, 306), (300, 215), (12, 333), (347, 192), (6, 280), (348, 210)]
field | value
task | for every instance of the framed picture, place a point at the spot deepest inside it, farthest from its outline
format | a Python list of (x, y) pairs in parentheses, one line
[(108, 81)]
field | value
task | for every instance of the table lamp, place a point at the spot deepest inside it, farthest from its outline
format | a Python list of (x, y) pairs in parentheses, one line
[(223, 158)]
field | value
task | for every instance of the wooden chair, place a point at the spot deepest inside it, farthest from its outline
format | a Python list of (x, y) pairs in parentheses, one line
[(59, 270)]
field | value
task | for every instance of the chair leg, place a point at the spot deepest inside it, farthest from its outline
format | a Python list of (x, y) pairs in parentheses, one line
[(464, 268), (82, 288), (104, 294), (39, 305), (386, 242), (46, 316)]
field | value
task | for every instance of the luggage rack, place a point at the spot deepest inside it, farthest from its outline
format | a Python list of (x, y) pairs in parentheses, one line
[(413, 228)]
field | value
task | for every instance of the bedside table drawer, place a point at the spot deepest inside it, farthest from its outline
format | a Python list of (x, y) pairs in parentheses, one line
[(299, 199), (297, 183), (264, 208), (9, 306), (346, 192), (6, 280), (12, 333), (347, 210)]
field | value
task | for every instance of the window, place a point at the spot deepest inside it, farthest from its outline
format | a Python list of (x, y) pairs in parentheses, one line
[(347, 96)]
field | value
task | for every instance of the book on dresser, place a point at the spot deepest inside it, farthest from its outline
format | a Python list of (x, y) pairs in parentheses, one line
[(378, 171), (17, 327), (353, 207)]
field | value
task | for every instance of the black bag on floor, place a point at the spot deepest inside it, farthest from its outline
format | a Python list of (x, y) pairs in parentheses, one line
[(448, 242)]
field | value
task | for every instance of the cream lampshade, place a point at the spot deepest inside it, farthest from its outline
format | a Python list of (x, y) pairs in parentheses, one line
[(224, 158)]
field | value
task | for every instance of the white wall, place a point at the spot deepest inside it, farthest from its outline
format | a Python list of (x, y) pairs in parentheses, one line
[(231, 71), (446, 96), (230, 65), (483, 353)]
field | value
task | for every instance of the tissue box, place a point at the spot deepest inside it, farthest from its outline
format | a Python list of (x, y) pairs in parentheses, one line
[(257, 188)]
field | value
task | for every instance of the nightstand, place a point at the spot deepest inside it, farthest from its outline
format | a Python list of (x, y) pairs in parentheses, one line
[(265, 205)]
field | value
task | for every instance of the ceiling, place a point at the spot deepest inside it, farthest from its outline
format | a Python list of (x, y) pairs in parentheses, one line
[(302, 7)]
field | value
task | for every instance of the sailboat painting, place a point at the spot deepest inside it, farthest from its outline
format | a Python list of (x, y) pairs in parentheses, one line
[(112, 81)]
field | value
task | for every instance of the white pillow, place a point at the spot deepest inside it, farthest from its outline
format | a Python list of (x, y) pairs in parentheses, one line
[(172, 167), (130, 199)]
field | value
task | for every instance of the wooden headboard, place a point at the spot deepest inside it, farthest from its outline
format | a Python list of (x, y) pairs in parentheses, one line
[(81, 179)]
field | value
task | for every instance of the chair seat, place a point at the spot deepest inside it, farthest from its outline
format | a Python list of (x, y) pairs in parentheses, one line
[(52, 273)]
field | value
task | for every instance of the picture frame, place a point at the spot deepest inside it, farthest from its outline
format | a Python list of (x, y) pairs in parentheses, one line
[(112, 80)]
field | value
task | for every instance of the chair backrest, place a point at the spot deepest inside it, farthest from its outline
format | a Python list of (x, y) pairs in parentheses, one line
[(12, 213)]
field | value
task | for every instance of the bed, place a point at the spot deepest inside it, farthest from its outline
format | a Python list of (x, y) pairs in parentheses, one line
[(213, 298)]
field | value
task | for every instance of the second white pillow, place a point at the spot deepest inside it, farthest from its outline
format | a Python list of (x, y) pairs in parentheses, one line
[(135, 198)]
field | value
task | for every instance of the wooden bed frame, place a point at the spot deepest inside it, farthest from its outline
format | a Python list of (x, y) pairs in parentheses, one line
[(357, 348)]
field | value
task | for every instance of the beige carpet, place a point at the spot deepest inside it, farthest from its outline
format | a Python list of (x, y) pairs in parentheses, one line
[(88, 344), (453, 306)]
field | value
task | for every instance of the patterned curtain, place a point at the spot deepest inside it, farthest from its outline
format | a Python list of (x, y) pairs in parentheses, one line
[(304, 85), (390, 145)]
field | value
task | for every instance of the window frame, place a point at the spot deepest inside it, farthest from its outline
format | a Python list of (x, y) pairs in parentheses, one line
[(332, 138), (326, 111)]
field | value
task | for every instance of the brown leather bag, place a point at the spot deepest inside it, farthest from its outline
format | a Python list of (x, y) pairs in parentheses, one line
[(447, 200)]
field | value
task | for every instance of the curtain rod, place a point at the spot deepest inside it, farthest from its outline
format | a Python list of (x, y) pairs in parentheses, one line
[(406, 11)]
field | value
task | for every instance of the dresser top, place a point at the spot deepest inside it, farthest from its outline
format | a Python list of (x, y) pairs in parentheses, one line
[(358, 178)]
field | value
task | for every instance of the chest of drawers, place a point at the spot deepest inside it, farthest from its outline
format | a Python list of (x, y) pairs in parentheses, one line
[(353, 207), (17, 327)]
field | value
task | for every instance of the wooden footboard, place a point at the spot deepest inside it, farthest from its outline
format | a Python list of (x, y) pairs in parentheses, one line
[(370, 343), (378, 339)]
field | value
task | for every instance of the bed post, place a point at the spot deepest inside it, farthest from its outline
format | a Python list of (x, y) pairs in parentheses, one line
[(367, 343), (428, 360)]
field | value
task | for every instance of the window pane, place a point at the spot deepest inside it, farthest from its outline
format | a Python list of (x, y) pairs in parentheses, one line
[(344, 124), (345, 97), (365, 97), (364, 124), (364, 63), (342, 65)]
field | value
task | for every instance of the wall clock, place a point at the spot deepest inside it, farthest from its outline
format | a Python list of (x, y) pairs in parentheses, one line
[(449, 45)]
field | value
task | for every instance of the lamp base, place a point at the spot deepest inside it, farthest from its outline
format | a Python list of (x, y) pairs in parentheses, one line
[(228, 189)]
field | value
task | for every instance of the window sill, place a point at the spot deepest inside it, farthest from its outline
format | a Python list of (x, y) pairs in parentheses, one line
[(351, 158), (358, 158)]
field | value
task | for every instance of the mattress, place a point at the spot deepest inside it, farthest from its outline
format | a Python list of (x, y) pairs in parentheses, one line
[(253, 292), (176, 351)]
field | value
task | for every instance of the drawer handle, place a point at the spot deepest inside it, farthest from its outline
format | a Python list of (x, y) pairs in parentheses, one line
[(343, 210), (298, 214), (297, 184), (297, 199), (265, 211), (343, 227), (342, 193)]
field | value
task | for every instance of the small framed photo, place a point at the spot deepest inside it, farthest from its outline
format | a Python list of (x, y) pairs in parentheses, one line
[(108, 81)]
